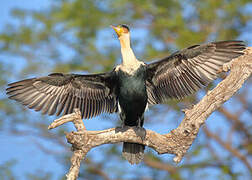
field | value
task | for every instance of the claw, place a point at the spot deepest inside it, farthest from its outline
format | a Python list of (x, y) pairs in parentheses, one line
[(141, 132), (122, 128)]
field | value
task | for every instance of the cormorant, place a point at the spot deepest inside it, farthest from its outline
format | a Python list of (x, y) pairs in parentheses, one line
[(130, 87)]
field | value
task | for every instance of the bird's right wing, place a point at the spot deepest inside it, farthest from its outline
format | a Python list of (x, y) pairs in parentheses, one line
[(61, 93), (185, 71)]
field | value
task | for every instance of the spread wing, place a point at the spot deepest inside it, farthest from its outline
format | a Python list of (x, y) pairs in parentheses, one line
[(61, 93), (185, 71)]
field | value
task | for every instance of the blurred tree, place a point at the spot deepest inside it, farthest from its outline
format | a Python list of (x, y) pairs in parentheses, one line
[(74, 35)]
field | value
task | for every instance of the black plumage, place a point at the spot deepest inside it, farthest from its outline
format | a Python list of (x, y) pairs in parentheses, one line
[(185, 71), (60, 93), (175, 76)]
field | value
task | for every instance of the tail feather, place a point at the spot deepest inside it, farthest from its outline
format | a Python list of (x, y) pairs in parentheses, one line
[(132, 152)]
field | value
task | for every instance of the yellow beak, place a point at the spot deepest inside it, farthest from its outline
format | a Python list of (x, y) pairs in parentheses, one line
[(118, 30)]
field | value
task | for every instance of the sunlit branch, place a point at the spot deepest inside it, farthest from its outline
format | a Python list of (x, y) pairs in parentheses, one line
[(176, 142)]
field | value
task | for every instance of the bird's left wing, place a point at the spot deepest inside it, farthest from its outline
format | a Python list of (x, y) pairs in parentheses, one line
[(61, 93), (185, 71)]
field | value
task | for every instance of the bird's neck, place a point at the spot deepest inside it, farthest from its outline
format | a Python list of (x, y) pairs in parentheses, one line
[(128, 56)]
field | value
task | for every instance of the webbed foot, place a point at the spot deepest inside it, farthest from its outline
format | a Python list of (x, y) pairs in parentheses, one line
[(141, 132), (122, 128)]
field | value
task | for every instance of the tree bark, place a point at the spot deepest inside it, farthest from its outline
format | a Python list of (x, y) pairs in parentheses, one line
[(176, 142)]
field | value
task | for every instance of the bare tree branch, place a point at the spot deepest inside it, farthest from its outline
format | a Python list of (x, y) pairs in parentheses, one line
[(159, 165), (239, 125), (98, 171), (78, 155), (179, 140), (228, 147)]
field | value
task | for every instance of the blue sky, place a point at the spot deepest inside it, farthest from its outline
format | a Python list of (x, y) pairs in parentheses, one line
[(31, 159), (6, 6)]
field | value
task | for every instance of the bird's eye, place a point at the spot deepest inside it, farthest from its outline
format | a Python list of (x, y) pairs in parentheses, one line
[(125, 27)]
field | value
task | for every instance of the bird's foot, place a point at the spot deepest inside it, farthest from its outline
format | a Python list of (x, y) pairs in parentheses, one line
[(141, 132), (122, 128)]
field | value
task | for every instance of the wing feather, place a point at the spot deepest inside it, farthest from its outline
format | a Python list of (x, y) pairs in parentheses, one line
[(185, 71), (60, 93)]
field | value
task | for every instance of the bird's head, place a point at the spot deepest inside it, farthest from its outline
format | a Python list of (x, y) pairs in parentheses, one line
[(121, 30)]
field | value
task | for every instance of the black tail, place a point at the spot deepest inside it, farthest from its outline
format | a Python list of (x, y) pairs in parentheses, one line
[(132, 152)]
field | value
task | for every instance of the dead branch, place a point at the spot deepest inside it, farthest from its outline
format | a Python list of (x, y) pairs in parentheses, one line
[(159, 165), (228, 147), (179, 140), (239, 125)]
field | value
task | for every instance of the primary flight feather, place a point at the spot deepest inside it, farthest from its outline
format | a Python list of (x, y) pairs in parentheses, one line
[(129, 87)]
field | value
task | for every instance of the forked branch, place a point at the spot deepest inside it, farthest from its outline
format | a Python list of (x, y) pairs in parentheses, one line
[(176, 142)]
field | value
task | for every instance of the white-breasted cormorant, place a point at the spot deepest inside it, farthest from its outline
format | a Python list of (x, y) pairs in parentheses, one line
[(130, 87)]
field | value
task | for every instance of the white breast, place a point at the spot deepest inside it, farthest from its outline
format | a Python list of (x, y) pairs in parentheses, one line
[(129, 68)]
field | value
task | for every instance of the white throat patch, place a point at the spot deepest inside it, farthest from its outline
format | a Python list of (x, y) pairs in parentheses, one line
[(129, 68)]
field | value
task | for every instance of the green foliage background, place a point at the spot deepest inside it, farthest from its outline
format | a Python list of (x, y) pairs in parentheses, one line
[(74, 36)]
